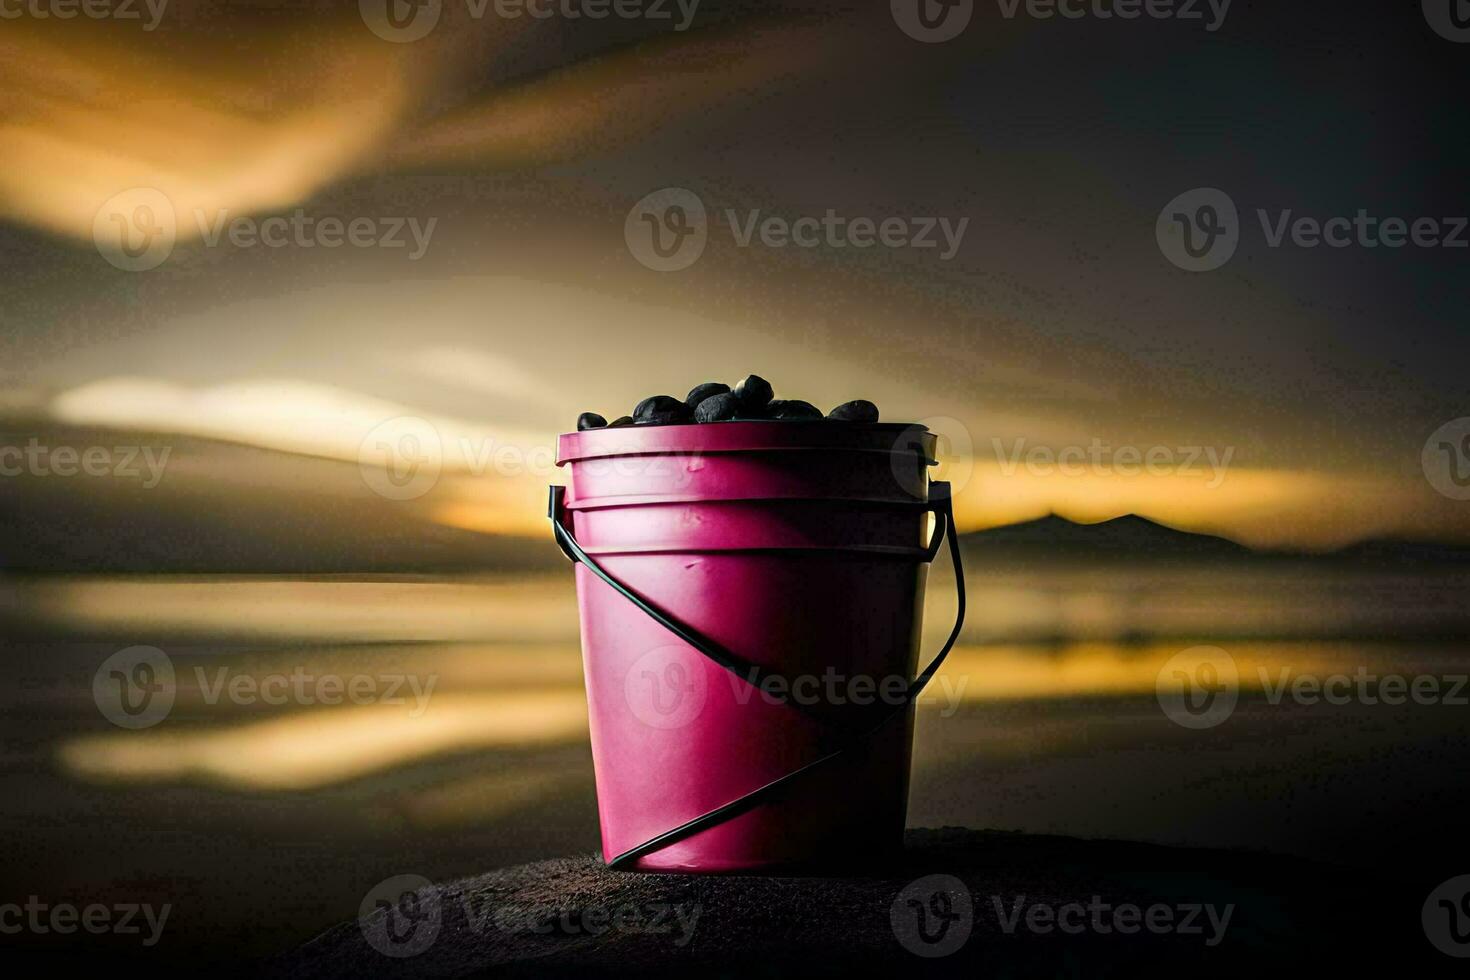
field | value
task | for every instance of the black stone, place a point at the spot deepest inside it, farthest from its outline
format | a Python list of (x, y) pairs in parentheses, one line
[(590, 420), (620, 420), (792, 408), (660, 410), (699, 393), (754, 392), (717, 408), (858, 410)]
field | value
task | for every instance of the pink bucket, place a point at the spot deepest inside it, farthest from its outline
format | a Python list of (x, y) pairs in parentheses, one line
[(751, 597)]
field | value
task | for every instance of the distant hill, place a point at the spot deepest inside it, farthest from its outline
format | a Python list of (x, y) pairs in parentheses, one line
[(1137, 537), (1130, 535), (230, 508)]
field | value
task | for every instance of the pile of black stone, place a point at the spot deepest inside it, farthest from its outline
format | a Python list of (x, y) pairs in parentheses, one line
[(751, 399)]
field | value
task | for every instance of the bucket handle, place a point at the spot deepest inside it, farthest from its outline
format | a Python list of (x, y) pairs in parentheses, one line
[(942, 506)]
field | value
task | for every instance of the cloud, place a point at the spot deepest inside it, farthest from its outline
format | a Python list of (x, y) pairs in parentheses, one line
[(92, 113), (478, 371), (275, 413)]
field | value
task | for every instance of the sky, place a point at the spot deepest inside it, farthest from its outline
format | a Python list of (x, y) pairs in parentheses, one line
[(497, 168)]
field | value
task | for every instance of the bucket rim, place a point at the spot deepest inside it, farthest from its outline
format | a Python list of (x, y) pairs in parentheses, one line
[(753, 435)]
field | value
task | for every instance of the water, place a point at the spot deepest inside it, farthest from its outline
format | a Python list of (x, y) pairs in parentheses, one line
[(269, 800)]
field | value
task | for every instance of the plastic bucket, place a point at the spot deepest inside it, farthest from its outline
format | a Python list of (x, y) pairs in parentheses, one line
[(751, 598)]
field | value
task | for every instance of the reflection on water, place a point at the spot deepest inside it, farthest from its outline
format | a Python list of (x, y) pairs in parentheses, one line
[(526, 610), (494, 664), (1060, 603), (458, 700), (1044, 719), (974, 674), (316, 747)]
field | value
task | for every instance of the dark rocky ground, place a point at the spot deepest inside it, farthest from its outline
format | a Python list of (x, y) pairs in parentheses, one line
[(574, 916)]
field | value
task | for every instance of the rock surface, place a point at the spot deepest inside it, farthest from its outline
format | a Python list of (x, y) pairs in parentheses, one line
[(572, 915)]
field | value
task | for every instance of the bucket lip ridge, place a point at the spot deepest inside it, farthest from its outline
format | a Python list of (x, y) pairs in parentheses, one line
[(741, 436)]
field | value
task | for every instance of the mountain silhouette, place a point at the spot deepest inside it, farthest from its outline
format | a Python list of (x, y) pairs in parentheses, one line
[(1134, 537), (232, 508), (1129, 535)]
